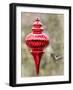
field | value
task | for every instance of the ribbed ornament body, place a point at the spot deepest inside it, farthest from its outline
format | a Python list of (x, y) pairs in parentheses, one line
[(37, 40)]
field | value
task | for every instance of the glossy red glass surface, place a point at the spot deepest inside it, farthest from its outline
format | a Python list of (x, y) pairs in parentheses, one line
[(37, 40)]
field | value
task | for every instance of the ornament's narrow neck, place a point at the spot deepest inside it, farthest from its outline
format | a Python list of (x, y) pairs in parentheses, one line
[(37, 58)]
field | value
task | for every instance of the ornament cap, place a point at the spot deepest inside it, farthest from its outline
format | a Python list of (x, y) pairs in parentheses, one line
[(37, 27)]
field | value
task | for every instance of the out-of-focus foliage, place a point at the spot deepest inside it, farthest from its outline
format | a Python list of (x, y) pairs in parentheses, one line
[(54, 27)]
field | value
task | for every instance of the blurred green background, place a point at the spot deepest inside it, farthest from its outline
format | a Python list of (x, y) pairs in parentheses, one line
[(54, 28)]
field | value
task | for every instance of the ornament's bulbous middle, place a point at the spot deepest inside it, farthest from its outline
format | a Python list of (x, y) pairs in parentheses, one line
[(37, 38)]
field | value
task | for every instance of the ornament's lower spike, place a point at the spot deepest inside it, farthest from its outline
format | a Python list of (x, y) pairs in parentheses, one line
[(37, 59)]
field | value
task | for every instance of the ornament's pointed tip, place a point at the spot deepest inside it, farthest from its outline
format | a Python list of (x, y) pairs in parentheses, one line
[(37, 68), (37, 58)]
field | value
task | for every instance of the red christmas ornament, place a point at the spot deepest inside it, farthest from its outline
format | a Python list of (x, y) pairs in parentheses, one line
[(37, 40)]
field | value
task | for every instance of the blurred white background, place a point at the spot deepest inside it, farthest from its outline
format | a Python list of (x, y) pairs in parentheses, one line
[(4, 44)]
